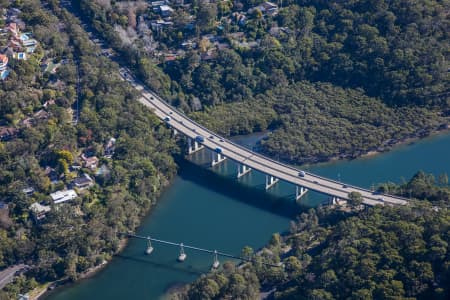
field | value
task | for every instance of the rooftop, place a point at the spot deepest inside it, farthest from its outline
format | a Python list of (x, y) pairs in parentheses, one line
[(3, 60), (38, 208), (63, 196)]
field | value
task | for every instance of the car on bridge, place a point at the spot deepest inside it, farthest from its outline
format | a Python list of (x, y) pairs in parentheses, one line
[(199, 139), (301, 173), (167, 119), (218, 150)]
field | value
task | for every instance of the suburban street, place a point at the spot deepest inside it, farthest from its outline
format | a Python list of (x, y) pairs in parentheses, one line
[(7, 275)]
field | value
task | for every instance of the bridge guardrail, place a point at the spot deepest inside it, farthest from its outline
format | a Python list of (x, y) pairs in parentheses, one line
[(255, 153)]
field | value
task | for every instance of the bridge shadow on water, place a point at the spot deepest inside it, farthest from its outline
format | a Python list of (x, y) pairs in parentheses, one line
[(255, 195), (183, 268)]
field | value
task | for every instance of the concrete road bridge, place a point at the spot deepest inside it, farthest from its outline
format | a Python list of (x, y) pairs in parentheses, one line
[(200, 137)]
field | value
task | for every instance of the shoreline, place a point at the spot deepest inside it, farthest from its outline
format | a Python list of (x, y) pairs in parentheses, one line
[(91, 272), (44, 290), (40, 293), (388, 146), (406, 141)]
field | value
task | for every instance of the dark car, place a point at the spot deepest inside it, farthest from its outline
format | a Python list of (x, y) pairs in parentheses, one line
[(218, 150), (199, 139)]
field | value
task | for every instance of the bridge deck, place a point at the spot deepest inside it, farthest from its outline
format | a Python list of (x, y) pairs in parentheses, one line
[(239, 154)]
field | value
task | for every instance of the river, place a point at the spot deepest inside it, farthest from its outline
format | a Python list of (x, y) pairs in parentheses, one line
[(210, 208)]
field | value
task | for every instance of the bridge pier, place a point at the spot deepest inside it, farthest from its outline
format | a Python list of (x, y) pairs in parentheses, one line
[(270, 181), (242, 170), (193, 146), (216, 158), (334, 200), (300, 191), (175, 132)]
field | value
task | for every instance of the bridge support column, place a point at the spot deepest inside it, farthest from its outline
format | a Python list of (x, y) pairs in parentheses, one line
[(193, 146), (270, 181), (242, 170), (216, 158), (300, 192), (174, 132)]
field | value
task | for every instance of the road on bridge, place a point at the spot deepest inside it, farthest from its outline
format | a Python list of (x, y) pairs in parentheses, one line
[(239, 154)]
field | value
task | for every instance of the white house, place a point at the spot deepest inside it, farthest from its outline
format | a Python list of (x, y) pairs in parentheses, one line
[(165, 10), (39, 210), (63, 196)]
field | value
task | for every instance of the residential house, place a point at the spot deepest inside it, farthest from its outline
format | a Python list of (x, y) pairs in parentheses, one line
[(3, 62), (110, 147), (63, 196), (159, 25), (3, 66), (13, 12), (83, 182), (51, 174), (157, 4), (166, 11), (279, 31), (48, 103), (28, 122), (239, 17), (41, 115), (15, 45), (169, 57), (27, 42), (7, 133), (89, 162), (28, 191), (189, 44), (267, 8), (39, 211), (13, 28)]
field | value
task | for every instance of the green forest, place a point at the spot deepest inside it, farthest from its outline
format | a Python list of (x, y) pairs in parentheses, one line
[(75, 236), (374, 253), (327, 79), (388, 57)]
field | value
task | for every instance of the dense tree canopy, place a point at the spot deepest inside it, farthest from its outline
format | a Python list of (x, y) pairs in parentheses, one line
[(76, 236), (349, 56), (376, 253)]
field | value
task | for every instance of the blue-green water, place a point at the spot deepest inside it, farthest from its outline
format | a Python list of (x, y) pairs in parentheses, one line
[(210, 208)]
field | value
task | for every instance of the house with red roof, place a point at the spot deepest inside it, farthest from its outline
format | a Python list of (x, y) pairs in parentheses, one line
[(3, 62)]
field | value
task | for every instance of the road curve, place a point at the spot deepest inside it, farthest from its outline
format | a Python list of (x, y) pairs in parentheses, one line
[(256, 161)]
